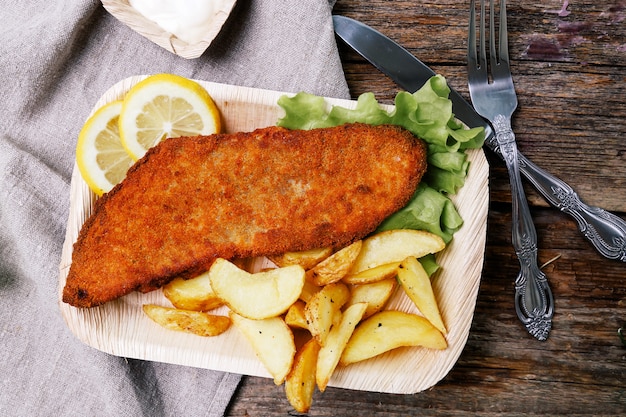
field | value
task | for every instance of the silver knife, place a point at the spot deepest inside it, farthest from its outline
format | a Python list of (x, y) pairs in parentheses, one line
[(605, 230)]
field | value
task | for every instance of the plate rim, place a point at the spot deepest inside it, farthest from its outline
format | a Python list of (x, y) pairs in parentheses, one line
[(189, 351)]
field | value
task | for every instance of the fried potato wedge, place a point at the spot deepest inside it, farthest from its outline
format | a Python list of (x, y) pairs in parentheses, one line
[(295, 317), (375, 295), (395, 246), (416, 283), (192, 294), (321, 310), (273, 291), (336, 341), (272, 341), (300, 383), (196, 322), (306, 259), (308, 290), (378, 273), (388, 330), (336, 266)]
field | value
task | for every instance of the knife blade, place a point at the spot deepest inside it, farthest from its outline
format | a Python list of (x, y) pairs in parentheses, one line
[(605, 230), (400, 65)]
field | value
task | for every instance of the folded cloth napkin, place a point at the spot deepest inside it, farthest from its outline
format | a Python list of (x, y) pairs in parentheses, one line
[(56, 60)]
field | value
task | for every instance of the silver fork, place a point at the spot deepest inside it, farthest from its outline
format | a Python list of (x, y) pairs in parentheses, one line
[(494, 99)]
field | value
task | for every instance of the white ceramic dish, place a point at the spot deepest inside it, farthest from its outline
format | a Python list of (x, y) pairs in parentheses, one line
[(125, 13), (121, 328)]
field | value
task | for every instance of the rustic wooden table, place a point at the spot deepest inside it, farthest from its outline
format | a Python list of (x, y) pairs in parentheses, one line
[(569, 69)]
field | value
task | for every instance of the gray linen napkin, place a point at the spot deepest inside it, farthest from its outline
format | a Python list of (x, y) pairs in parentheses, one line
[(56, 59)]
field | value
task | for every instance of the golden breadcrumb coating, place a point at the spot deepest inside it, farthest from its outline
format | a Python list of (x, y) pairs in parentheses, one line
[(190, 200)]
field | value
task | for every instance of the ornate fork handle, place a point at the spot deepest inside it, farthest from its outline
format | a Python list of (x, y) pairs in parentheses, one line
[(534, 302), (605, 230)]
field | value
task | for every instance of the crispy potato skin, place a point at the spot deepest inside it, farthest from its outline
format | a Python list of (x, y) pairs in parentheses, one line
[(190, 200)]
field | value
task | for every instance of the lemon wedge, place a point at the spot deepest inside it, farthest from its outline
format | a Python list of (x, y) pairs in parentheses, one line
[(100, 156), (164, 106)]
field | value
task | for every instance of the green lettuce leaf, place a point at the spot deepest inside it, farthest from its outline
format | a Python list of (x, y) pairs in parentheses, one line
[(429, 263), (303, 111), (428, 210)]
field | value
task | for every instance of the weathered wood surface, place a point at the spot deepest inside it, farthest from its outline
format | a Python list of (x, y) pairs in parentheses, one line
[(570, 75)]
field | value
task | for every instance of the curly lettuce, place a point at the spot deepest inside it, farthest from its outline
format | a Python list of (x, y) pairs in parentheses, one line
[(427, 113)]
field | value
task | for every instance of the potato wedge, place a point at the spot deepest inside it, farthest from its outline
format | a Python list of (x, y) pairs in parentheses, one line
[(378, 273), (196, 322), (336, 342), (295, 317), (192, 294), (335, 267), (300, 383), (308, 290), (375, 295), (272, 291), (394, 246), (321, 310), (416, 284), (388, 330), (272, 341), (306, 259)]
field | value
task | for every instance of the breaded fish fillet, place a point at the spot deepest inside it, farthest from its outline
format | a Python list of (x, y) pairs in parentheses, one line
[(191, 200)]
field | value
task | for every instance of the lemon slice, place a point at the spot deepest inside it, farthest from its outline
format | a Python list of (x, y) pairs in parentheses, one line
[(100, 156), (162, 106)]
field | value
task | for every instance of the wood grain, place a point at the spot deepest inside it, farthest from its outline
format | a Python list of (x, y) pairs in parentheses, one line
[(570, 94), (570, 73)]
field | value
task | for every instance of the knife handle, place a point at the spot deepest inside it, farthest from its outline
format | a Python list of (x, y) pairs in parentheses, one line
[(605, 230)]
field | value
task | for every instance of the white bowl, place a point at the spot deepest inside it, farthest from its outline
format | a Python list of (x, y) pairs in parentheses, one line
[(125, 13)]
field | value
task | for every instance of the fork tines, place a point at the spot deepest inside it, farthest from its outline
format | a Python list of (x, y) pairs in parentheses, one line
[(498, 54)]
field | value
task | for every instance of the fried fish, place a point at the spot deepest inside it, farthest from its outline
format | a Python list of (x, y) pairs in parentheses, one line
[(190, 200)]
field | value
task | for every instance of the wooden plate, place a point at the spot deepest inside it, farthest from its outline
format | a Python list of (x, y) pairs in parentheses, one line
[(121, 328), (125, 13)]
